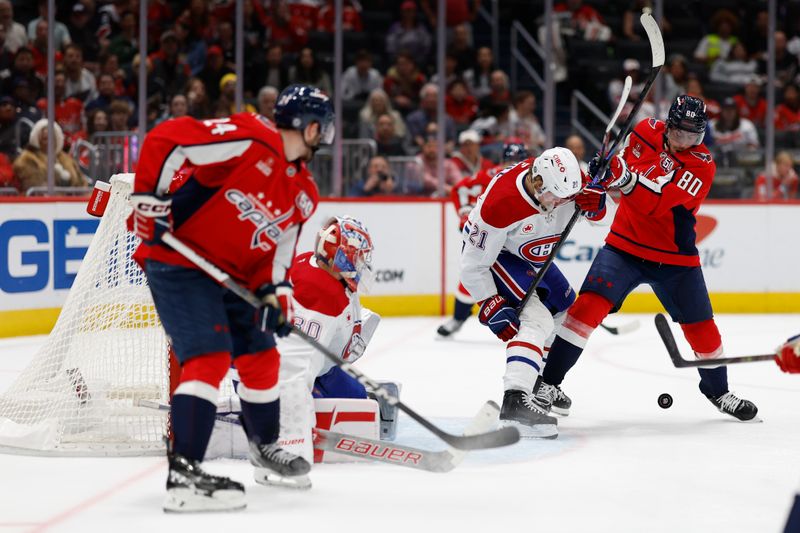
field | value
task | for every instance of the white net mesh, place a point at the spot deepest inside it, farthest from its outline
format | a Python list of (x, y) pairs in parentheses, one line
[(107, 352)]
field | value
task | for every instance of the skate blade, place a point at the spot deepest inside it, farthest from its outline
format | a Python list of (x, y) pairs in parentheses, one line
[(188, 501), (559, 411), (272, 479), (538, 431)]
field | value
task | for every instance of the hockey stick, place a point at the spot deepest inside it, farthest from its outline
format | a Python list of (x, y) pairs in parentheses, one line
[(662, 325), (623, 329), (657, 49), (492, 439)]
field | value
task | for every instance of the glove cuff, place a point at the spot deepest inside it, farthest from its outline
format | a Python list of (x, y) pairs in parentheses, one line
[(630, 182)]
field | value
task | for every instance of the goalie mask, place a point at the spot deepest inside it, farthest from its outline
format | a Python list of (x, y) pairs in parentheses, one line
[(561, 177), (345, 246)]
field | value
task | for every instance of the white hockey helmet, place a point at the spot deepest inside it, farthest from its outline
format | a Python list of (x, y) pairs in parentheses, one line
[(561, 175)]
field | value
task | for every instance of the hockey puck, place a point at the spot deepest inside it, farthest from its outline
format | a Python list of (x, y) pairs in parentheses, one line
[(664, 401)]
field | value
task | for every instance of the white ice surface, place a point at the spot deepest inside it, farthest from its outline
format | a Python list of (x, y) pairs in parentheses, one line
[(620, 463)]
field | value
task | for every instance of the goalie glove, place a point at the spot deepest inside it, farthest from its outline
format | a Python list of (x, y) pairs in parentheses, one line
[(788, 356), (616, 176), (500, 317), (151, 217), (276, 315)]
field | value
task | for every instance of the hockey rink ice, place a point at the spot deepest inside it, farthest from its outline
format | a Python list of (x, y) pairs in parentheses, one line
[(621, 463)]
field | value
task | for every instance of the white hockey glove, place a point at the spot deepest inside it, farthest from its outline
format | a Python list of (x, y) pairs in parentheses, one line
[(356, 348)]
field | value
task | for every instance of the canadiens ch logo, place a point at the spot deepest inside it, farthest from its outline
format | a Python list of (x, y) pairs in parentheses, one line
[(267, 224), (538, 250)]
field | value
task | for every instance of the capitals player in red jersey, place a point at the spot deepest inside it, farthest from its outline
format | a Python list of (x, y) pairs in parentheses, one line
[(237, 191), (664, 173), (507, 237), (465, 195)]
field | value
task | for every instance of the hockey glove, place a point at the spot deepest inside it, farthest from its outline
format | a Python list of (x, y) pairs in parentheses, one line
[(463, 215), (592, 199), (276, 315), (151, 217), (500, 317), (788, 356), (617, 174)]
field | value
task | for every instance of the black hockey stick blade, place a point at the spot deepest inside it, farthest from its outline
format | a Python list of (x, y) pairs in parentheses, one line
[(492, 439), (623, 329), (662, 325)]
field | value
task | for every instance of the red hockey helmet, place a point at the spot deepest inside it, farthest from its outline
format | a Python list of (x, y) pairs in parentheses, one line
[(345, 246)]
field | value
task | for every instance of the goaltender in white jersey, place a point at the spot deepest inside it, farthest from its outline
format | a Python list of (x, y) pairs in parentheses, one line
[(508, 236)]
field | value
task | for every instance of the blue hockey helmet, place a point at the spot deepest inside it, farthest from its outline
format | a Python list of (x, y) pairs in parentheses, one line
[(688, 113), (300, 105), (514, 152)]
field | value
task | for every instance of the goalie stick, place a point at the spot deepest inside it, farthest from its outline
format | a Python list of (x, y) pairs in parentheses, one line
[(491, 439), (657, 49), (662, 325)]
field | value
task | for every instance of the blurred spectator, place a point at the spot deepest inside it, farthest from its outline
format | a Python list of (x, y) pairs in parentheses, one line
[(450, 69), (96, 122), (213, 72), (7, 177), (632, 68), (80, 82), (307, 70), (786, 66), (751, 104), (524, 124), (424, 171), (68, 110), (22, 72), (459, 104), (8, 127), (379, 179), (23, 94), (38, 47), (498, 91), (408, 34), (388, 142), (119, 115), (403, 82), (198, 18), (226, 42), (757, 34), (478, 77), (631, 28), (676, 77), (361, 79), (271, 71), (695, 88), (351, 17), (378, 104), (585, 21), (286, 29), (494, 124), (6, 56), (31, 165), (719, 42), (787, 114), (461, 48), (160, 16), (736, 68), (169, 68), (16, 36), (178, 107), (155, 85), (195, 51), (732, 132), (125, 44), (106, 93), (417, 121), (574, 143), (226, 105), (784, 180), (197, 99), (109, 64), (267, 97), (60, 32), (458, 12), (78, 26), (468, 159)]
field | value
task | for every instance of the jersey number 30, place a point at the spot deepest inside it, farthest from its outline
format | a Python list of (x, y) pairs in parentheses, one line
[(690, 183)]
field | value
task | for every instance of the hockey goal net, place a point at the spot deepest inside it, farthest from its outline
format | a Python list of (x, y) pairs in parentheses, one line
[(82, 392)]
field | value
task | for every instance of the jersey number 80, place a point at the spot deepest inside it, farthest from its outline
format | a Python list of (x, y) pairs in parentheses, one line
[(689, 183)]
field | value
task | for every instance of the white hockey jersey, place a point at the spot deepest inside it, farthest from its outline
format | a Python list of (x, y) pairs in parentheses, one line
[(507, 218)]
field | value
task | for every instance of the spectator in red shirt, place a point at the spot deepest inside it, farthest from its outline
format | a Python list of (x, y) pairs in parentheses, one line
[(784, 180), (68, 110), (351, 17), (457, 11), (403, 82), (787, 114), (38, 47), (459, 104), (468, 159), (583, 19), (751, 104), (286, 29)]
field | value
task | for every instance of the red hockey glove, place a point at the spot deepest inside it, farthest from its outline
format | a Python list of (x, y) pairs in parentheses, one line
[(500, 317), (788, 356), (463, 215), (592, 199), (617, 174), (277, 314), (151, 217)]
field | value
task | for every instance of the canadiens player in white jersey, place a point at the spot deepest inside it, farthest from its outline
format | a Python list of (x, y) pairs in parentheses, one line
[(507, 237), (237, 191)]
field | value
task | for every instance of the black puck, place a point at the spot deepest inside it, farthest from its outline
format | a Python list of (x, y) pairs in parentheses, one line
[(664, 401)]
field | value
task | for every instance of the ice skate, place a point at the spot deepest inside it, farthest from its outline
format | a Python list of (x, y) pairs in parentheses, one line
[(450, 327), (552, 398), (521, 411), (275, 466), (739, 408), (191, 490), (561, 402)]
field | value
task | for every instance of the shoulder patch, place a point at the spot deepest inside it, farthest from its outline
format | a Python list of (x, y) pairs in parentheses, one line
[(704, 157), (653, 123)]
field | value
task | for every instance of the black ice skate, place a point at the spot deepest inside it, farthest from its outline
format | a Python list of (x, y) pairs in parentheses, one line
[(276, 466), (551, 398), (450, 327), (521, 411), (191, 490), (730, 404)]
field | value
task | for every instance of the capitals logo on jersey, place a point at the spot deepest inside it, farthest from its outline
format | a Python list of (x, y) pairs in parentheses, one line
[(267, 224), (538, 250)]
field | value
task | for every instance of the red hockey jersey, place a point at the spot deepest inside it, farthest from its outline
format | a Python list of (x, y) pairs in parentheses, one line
[(656, 220), (465, 193), (236, 200)]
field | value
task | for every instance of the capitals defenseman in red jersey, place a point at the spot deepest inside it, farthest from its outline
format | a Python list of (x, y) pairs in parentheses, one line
[(664, 173), (237, 191), (465, 195), (508, 236)]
